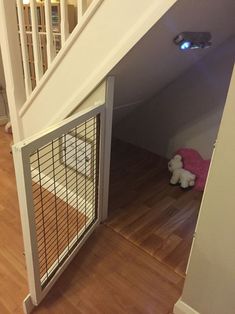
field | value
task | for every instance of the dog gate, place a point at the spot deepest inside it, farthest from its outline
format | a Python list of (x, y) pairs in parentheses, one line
[(59, 180)]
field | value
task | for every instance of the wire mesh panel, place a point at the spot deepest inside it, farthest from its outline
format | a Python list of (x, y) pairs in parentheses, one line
[(64, 184), (61, 180)]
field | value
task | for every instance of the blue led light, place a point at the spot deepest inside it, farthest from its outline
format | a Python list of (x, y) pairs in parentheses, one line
[(185, 45)]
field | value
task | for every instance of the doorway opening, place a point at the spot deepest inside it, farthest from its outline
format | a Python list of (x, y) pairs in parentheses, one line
[(167, 100)]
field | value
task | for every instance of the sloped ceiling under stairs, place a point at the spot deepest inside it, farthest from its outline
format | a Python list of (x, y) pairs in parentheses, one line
[(156, 61)]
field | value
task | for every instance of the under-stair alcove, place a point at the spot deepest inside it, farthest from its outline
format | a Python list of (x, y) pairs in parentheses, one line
[(165, 100), (81, 234)]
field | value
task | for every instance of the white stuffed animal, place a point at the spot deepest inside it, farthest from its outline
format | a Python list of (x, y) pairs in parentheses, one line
[(180, 175)]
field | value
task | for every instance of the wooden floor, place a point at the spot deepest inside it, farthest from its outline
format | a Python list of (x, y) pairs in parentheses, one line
[(145, 209), (13, 285), (109, 275)]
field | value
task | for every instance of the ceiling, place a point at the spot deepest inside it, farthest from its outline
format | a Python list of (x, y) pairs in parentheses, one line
[(155, 61)]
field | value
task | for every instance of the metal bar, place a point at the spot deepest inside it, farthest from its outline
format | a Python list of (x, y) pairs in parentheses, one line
[(49, 34), (24, 48), (36, 41)]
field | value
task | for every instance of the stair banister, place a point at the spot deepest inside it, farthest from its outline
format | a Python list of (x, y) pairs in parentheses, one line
[(84, 20), (24, 50), (12, 63)]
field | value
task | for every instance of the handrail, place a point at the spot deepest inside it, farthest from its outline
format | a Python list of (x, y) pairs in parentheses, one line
[(91, 10)]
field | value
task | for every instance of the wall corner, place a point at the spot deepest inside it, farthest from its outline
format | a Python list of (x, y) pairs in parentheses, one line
[(183, 308)]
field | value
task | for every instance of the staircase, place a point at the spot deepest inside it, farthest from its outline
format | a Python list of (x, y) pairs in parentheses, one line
[(105, 31)]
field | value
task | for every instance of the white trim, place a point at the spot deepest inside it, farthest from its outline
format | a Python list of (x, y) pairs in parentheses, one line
[(183, 308), (24, 189), (28, 305), (107, 145), (62, 53)]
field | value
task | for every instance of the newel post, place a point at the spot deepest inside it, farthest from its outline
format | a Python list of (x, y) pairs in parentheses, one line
[(12, 63)]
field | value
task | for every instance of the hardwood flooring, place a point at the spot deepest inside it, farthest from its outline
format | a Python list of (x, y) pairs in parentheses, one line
[(109, 274), (13, 284), (145, 209)]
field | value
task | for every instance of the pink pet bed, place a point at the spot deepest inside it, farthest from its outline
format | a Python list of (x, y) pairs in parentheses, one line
[(193, 162)]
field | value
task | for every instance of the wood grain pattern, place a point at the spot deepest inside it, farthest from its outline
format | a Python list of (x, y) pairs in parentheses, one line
[(145, 209), (109, 275), (13, 284)]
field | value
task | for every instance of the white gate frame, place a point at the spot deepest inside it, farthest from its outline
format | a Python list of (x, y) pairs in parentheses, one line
[(109, 101), (21, 153)]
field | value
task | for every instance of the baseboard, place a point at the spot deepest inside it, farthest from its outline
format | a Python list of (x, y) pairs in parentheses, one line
[(28, 305), (183, 308)]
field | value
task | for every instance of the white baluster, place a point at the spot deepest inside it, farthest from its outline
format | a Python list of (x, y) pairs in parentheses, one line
[(81, 7), (24, 49), (11, 56), (64, 25), (37, 54), (49, 34)]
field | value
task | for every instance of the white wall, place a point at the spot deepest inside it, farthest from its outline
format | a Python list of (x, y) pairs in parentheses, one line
[(2, 78), (210, 281), (187, 112), (155, 61), (120, 112), (3, 98)]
